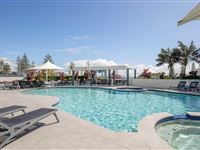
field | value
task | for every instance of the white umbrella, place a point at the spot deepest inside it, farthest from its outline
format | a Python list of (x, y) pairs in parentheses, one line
[(194, 14), (46, 66), (49, 66)]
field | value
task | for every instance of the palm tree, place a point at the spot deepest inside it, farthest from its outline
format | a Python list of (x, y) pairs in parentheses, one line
[(188, 53), (170, 57)]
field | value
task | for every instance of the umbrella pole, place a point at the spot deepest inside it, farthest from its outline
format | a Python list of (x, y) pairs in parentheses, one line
[(46, 76)]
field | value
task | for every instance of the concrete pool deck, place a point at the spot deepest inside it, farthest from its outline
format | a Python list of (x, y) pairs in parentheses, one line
[(75, 133)]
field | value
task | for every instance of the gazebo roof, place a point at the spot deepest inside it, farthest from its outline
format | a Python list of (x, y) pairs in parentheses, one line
[(115, 67)]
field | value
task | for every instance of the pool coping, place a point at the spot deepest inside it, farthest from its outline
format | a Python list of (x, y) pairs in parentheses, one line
[(146, 128)]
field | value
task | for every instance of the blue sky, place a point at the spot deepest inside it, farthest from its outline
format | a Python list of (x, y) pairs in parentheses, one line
[(126, 32)]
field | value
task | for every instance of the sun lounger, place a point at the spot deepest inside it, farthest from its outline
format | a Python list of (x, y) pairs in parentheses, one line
[(42, 84), (11, 110), (180, 86), (16, 125), (2, 86), (101, 82), (24, 84), (192, 86), (36, 84), (62, 83), (11, 85)]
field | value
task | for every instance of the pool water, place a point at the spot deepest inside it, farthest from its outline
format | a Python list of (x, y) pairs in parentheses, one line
[(181, 134), (115, 110)]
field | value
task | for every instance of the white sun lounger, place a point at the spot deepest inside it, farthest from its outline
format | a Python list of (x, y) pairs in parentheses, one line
[(18, 124)]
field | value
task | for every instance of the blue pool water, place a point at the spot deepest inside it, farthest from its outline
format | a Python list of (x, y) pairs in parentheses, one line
[(115, 110)]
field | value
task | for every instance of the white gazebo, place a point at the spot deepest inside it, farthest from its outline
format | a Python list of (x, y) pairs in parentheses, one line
[(46, 66), (194, 14), (107, 68)]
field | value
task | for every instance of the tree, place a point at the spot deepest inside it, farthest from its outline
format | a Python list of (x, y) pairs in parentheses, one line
[(188, 53), (1, 66), (25, 63), (87, 64), (48, 58), (146, 74), (169, 57), (18, 62), (193, 68), (6, 68), (32, 64), (71, 66)]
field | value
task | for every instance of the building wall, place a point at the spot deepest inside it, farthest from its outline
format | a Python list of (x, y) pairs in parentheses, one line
[(157, 83)]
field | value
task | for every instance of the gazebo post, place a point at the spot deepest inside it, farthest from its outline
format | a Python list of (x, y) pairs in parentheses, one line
[(91, 79), (72, 77), (114, 77), (127, 76), (134, 73), (109, 78)]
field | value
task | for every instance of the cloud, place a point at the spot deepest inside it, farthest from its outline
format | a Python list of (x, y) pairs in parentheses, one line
[(12, 52), (73, 50), (9, 52), (152, 68), (139, 67), (80, 50), (95, 62), (79, 38), (163, 68)]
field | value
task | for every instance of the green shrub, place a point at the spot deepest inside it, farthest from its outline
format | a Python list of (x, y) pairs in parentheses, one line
[(53, 78)]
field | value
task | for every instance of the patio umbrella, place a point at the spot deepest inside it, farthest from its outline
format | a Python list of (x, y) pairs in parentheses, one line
[(194, 14), (46, 66)]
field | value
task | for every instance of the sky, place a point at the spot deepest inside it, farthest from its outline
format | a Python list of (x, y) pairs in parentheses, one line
[(126, 32)]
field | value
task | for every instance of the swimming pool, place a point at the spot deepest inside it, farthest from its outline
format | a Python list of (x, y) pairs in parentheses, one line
[(115, 110)]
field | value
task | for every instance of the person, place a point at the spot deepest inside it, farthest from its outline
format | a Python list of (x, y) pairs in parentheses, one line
[(82, 80), (76, 75), (62, 77), (113, 75), (93, 73), (162, 75), (86, 75)]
